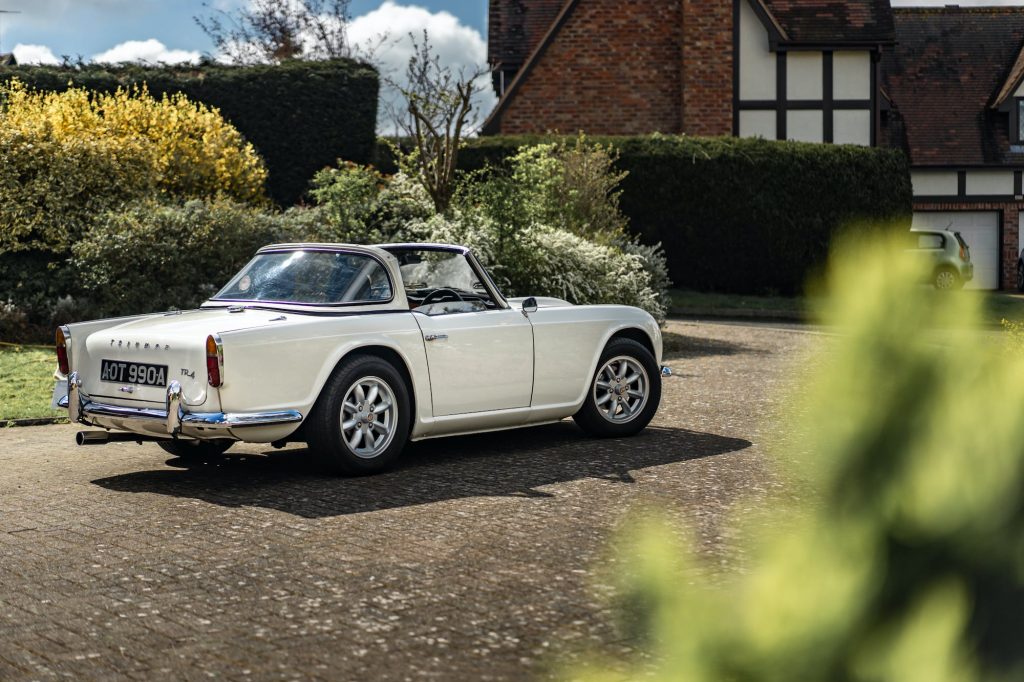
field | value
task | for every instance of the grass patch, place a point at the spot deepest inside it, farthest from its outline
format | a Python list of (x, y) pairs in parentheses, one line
[(686, 300), (1004, 306), (26, 382), (998, 305)]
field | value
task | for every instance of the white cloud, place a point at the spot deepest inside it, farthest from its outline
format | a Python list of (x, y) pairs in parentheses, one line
[(150, 51), (34, 54), (458, 46)]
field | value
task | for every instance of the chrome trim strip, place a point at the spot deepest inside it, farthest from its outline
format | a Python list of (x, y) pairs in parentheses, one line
[(74, 399), (240, 419), (173, 412), (174, 419), (210, 420)]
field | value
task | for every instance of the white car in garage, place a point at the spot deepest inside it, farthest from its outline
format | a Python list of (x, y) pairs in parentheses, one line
[(356, 350)]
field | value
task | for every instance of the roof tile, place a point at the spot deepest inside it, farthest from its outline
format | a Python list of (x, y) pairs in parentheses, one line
[(946, 70)]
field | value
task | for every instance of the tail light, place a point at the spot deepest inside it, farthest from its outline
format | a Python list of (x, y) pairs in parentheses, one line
[(63, 337), (963, 253), (214, 361)]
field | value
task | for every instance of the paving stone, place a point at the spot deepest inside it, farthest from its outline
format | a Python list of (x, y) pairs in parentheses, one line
[(480, 557)]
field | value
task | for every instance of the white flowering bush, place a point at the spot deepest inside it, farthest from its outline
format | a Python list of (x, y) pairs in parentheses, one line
[(544, 261)]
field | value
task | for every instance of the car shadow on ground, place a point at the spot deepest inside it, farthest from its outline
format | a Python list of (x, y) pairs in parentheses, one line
[(678, 346), (509, 463)]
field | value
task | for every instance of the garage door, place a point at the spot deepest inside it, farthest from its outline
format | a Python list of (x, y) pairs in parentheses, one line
[(980, 229)]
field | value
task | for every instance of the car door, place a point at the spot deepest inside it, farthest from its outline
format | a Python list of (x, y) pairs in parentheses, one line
[(478, 361)]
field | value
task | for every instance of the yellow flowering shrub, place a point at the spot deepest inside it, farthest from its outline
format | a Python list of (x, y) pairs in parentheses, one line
[(65, 158)]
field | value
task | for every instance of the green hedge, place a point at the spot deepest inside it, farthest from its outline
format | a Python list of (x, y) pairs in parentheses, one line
[(743, 215), (300, 116)]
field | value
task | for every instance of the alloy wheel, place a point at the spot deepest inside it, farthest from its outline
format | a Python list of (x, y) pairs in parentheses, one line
[(621, 389), (369, 417)]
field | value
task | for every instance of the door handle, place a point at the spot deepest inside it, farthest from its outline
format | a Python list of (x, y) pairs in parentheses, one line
[(436, 337)]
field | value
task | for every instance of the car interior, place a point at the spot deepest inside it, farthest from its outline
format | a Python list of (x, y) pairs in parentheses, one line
[(442, 282)]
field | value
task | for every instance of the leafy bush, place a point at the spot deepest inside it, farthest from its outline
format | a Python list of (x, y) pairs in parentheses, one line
[(542, 194), (363, 206), (154, 257), (740, 215), (903, 558), (300, 115), (544, 261), (66, 158)]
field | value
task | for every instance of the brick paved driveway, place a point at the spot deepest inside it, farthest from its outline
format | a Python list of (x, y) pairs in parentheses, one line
[(474, 560)]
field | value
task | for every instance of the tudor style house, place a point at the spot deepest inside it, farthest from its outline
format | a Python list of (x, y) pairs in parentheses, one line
[(944, 84)]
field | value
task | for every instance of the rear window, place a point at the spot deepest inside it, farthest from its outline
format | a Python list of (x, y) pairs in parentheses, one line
[(929, 240), (310, 277)]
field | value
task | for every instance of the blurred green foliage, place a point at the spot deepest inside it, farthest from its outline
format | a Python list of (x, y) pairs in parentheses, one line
[(903, 559)]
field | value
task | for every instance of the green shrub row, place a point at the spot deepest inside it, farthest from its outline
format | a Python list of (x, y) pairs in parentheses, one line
[(741, 215), (300, 116)]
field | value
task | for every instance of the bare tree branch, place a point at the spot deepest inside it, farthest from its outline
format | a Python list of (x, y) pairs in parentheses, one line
[(277, 30), (438, 106)]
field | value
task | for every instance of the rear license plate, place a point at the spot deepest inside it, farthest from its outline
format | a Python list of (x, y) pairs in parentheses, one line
[(138, 373)]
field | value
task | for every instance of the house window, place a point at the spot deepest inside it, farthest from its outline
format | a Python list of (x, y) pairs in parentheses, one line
[(1020, 120)]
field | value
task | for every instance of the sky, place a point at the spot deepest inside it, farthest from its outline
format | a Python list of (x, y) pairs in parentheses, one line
[(158, 30)]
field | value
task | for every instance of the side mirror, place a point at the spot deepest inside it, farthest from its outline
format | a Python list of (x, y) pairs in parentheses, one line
[(529, 306)]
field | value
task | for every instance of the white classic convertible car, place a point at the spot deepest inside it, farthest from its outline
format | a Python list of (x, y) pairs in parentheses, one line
[(356, 350)]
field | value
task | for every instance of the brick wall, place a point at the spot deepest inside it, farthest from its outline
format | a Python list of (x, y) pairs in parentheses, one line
[(614, 68), (1011, 231), (707, 67)]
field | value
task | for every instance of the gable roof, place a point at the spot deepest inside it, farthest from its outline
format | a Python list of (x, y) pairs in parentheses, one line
[(833, 22), (1012, 81), (516, 27), (492, 123), (943, 77)]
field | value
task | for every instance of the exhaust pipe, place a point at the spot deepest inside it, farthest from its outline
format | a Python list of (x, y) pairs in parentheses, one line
[(104, 437)]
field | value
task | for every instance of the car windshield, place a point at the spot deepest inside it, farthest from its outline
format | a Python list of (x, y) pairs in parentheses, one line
[(310, 277)]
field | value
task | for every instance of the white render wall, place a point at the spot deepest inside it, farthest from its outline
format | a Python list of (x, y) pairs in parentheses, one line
[(804, 75), (989, 182), (851, 80), (757, 62), (758, 124), (934, 183), (851, 75), (805, 125), (851, 126)]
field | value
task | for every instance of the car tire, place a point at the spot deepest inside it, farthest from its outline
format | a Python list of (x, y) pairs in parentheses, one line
[(360, 424), (194, 450), (1020, 276), (632, 403), (947, 279)]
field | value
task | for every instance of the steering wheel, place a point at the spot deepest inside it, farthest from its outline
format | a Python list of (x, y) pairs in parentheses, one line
[(443, 292)]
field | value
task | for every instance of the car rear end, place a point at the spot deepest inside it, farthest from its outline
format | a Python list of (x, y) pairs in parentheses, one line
[(157, 376), (961, 257)]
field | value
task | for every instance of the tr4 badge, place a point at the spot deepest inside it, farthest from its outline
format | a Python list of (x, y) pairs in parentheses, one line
[(186, 373)]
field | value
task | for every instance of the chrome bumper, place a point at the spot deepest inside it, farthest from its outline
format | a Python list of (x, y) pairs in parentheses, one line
[(174, 420)]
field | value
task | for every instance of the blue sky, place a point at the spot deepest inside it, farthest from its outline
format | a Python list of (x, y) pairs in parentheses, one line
[(91, 27)]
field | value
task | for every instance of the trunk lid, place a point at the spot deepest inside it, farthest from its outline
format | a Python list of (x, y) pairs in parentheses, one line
[(175, 341)]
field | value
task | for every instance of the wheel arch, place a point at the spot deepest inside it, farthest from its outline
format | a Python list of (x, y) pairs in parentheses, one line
[(635, 334), (389, 355)]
